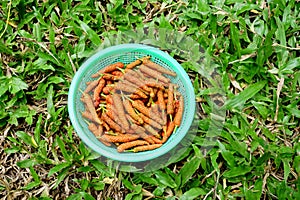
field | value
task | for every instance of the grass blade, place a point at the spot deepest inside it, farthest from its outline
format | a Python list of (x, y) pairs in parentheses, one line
[(58, 168), (245, 95), (237, 171), (188, 169), (193, 193)]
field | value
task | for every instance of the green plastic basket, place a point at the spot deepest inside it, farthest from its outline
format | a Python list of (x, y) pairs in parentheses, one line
[(127, 53)]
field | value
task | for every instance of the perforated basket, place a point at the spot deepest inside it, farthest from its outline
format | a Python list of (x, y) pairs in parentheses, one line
[(127, 53)]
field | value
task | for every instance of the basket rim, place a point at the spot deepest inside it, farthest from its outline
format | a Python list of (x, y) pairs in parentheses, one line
[(104, 150)]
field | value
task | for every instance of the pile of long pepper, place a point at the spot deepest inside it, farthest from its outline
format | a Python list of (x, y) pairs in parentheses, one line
[(134, 107)]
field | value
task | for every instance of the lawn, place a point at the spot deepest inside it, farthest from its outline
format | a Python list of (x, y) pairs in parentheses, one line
[(242, 57)]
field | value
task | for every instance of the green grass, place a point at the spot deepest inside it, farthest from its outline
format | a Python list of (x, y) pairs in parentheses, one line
[(247, 86)]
